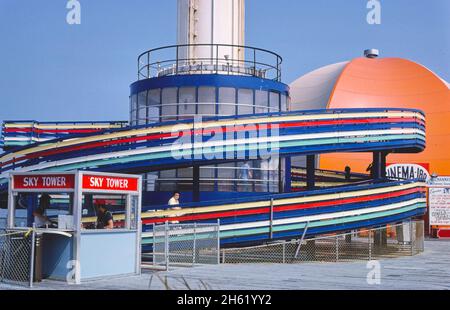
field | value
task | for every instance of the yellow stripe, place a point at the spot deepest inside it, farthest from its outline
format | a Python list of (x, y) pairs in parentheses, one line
[(199, 210), (170, 128), (280, 202), (9, 125)]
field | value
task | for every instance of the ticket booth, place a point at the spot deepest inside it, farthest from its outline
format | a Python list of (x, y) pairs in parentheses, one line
[(88, 223)]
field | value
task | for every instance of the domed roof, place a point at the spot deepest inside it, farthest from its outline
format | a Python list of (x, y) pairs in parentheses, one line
[(375, 83)]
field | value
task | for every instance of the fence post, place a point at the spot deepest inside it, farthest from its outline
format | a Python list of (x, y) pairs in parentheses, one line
[(411, 237), (218, 243), (166, 245), (33, 241), (195, 245), (337, 249), (271, 219), (284, 253), (154, 245), (370, 244)]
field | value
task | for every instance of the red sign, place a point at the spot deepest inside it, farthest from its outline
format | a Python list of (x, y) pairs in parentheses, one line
[(444, 233), (48, 181), (97, 182)]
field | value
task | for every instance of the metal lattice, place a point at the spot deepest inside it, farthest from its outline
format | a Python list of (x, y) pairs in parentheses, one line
[(186, 244), (388, 242), (16, 257)]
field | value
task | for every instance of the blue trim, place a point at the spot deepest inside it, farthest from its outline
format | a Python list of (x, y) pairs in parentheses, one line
[(212, 80)]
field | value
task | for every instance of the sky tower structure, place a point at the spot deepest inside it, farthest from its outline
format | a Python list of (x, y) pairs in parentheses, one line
[(210, 73)]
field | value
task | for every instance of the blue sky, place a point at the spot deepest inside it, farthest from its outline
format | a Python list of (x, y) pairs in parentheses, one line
[(50, 70)]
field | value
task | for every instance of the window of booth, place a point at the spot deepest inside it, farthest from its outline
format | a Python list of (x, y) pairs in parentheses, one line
[(107, 212), (45, 210)]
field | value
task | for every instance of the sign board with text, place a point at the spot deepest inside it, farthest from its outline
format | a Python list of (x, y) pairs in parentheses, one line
[(44, 182), (109, 183), (408, 171), (440, 201)]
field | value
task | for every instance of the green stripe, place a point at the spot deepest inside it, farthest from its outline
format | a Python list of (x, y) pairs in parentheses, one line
[(222, 149), (281, 228)]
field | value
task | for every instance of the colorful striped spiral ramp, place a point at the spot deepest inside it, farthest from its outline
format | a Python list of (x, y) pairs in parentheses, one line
[(365, 203)]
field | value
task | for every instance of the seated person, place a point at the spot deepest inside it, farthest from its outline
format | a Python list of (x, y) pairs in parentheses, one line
[(105, 218), (40, 220)]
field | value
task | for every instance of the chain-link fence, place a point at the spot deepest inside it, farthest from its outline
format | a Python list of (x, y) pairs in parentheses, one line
[(405, 239), (16, 258), (186, 244), (2, 223)]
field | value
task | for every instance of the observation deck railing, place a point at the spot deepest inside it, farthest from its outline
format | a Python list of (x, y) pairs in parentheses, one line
[(240, 60)]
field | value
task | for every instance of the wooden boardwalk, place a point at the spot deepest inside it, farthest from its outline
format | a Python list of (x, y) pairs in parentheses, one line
[(430, 270)]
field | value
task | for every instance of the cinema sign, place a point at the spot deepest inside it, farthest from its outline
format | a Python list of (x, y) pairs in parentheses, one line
[(409, 171)]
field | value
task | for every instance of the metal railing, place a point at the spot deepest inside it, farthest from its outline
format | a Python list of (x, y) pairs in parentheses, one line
[(175, 60), (185, 244), (17, 251), (392, 241)]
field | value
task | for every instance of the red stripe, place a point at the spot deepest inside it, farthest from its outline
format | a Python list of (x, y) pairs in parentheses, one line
[(200, 132), (281, 208)]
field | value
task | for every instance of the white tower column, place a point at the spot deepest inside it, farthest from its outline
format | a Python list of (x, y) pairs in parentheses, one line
[(211, 22)]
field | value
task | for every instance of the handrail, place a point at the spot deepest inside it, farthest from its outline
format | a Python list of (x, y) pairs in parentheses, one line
[(148, 68)]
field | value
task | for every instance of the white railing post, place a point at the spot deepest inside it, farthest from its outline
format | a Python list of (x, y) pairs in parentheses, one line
[(166, 245), (33, 241)]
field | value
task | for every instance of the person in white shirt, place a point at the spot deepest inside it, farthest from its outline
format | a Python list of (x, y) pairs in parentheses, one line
[(39, 214), (175, 201), (174, 204)]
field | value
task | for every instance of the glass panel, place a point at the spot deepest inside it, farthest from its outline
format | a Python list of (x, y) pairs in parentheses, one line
[(104, 211), (261, 101), (187, 102), (245, 174), (154, 105), (284, 103), (167, 186), (245, 97), (133, 103), (168, 174), (207, 172), (264, 177), (133, 109), (227, 100), (154, 97), (274, 102), (142, 107), (207, 95), (169, 102), (134, 212), (153, 114), (226, 177), (185, 173), (273, 174), (151, 181), (46, 210)]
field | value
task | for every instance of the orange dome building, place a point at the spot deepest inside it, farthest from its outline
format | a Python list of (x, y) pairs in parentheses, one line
[(373, 83)]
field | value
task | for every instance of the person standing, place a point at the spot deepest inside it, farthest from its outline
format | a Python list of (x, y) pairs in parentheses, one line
[(174, 202), (105, 218)]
